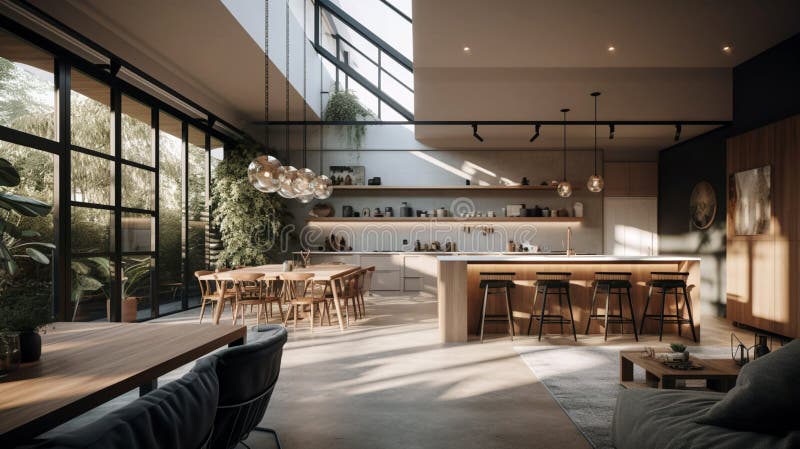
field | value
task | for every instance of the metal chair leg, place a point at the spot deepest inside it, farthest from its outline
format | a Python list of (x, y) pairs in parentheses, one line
[(508, 311), (678, 314), (661, 324), (483, 310), (533, 308), (633, 316), (271, 432), (571, 317), (608, 297), (541, 319), (644, 312), (687, 301), (591, 308)]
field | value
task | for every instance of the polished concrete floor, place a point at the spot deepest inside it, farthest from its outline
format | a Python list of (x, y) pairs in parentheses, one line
[(387, 382)]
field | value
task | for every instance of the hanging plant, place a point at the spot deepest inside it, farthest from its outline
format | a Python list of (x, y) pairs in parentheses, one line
[(343, 105)]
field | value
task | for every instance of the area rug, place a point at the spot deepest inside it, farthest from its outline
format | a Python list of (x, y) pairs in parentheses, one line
[(585, 382)]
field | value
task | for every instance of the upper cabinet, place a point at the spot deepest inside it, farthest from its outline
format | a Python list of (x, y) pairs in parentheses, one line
[(631, 178)]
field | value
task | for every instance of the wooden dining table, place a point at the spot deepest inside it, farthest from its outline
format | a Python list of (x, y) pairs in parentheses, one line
[(328, 273), (84, 365)]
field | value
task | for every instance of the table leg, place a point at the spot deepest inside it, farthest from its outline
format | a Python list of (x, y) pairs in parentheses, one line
[(651, 380), (336, 304), (625, 370), (220, 303), (148, 387), (667, 382)]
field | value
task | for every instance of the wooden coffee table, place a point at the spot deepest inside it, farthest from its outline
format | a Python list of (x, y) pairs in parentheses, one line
[(719, 374)]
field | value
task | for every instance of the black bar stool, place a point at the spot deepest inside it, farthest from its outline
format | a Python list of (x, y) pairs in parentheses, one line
[(494, 285), (552, 283), (669, 282), (612, 283)]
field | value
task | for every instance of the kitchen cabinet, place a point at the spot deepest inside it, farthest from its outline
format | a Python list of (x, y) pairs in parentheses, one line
[(631, 179), (394, 272), (630, 226)]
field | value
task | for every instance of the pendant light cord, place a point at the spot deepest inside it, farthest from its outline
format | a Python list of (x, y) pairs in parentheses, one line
[(595, 134), (305, 109), (565, 144), (288, 150), (266, 73)]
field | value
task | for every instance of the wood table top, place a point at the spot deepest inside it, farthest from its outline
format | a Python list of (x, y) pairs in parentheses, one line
[(322, 272), (86, 364), (711, 367)]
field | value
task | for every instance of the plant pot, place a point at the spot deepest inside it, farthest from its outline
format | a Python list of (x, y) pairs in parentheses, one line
[(30, 346), (129, 305)]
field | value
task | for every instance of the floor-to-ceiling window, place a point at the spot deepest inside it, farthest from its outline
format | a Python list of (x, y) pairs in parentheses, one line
[(131, 191)]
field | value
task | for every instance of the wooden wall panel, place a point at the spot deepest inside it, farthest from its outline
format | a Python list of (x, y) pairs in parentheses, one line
[(763, 271)]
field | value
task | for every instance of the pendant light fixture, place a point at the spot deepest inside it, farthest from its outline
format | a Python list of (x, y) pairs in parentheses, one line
[(303, 185), (564, 188), (595, 183)]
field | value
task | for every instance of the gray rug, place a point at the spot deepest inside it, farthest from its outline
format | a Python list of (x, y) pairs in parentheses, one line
[(585, 382)]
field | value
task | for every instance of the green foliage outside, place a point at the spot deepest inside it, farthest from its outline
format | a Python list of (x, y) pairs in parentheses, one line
[(252, 224)]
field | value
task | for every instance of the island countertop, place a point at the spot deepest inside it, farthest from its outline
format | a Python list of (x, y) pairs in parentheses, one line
[(460, 296)]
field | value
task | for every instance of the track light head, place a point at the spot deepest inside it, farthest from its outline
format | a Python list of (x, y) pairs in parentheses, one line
[(536, 132), (611, 130), (475, 132), (677, 132)]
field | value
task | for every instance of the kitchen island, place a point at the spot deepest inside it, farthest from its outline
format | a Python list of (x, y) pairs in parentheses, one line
[(460, 297)]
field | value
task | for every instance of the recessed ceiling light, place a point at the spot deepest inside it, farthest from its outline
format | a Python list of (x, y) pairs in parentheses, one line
[(612, 49), (466, 49), (727, 49)]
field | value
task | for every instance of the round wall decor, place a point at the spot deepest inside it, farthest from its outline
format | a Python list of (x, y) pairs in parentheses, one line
[(703, 205)]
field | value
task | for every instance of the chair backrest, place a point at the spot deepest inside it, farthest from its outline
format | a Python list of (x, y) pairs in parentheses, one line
[(245, 276), (177, 415), (205, 285), (612, 276), (552, 276), (247, 376)]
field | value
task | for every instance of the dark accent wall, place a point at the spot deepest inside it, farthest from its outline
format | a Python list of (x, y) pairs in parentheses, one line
[(766, 89)]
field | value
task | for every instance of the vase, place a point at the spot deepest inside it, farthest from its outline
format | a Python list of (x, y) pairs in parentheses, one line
[(30, 346), (9, 353)]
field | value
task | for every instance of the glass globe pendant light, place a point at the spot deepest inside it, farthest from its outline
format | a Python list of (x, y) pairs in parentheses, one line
[(305, 182), (265, 173), (595, 183), (564, 188), (323, 187), (289, 175)]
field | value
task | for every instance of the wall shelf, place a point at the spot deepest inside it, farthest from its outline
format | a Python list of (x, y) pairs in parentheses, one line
[(346, 188), (445, 219)]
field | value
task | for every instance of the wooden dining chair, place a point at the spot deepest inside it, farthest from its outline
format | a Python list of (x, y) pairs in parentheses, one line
[(246, 295), (364, 286), (211, 292), (300, 291), (348, 293)]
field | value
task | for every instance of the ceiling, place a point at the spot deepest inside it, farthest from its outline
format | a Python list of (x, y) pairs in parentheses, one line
[(528, 59)]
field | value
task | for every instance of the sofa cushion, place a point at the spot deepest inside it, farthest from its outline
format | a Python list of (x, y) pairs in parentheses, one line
[(666, 419), (766, 395)]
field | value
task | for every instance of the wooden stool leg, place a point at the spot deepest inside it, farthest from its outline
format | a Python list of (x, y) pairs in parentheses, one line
[(633, 316), (483, 309), (688, 306)]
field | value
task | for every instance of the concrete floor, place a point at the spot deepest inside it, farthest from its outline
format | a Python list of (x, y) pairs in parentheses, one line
[(387, 382)]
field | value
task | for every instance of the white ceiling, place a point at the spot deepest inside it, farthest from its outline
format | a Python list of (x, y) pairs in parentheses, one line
[(529, 59)]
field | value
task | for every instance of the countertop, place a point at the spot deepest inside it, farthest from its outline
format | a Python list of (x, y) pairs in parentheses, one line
[(434, 253), (563, 258)]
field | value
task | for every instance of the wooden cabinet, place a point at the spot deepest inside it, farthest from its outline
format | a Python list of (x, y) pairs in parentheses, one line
[(631, 179), (630, 226)]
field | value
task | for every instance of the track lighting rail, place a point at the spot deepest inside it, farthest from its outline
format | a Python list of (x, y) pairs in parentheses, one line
[(497, 122)]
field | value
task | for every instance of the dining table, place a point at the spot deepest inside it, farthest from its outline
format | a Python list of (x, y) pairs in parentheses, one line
[(84, 365), (323, 273)]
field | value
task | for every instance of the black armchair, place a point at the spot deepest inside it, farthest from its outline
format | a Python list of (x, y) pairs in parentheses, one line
[(247, 375), (178, 415)]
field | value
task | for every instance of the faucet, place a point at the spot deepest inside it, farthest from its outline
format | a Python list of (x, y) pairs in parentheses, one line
[(569, 251)]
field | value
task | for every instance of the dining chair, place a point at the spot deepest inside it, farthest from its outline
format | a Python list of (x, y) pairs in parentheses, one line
[(181, 414), (364, 286), (247, 377), (350, 292), (210, 292), (245, 296), (307, 295)]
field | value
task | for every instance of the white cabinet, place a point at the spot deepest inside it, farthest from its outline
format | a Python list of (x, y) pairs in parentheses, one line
[(419, 273), (387, 271), (393, 272), (630, 226)]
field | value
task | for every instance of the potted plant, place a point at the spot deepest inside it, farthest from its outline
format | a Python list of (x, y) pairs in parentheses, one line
[(25, 304), (680, 348), (343, 106), (133, 272)]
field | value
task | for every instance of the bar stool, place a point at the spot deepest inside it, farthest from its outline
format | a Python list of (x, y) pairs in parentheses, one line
[(552, 283), (613, 283), (494, 285), (666, 282)]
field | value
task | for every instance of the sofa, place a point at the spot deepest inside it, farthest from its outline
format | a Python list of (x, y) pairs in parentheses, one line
[(761, 411)]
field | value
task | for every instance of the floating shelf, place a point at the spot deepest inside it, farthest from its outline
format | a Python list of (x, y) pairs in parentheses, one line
[(411, 188), (446, 219)]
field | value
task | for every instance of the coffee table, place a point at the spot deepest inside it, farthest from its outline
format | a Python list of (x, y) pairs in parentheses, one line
[(719, 374)]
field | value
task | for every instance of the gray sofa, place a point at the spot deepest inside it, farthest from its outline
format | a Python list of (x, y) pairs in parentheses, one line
[(762, 411)]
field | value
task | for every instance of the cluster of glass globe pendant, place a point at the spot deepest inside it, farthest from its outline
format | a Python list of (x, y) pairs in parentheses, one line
[(268, 175)]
